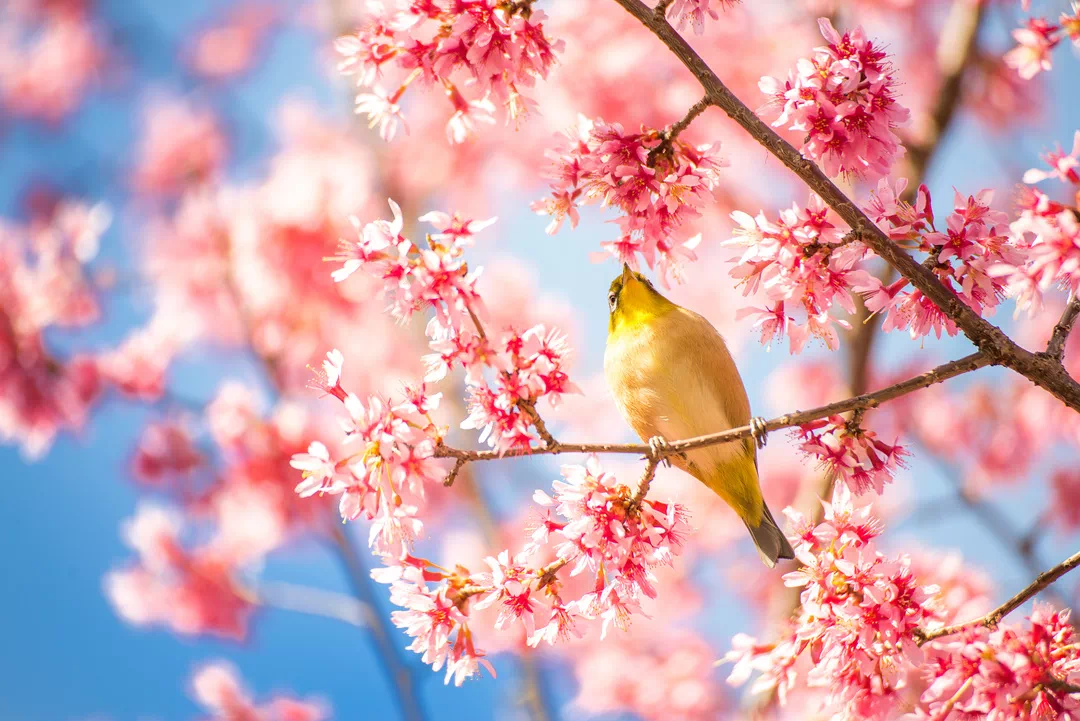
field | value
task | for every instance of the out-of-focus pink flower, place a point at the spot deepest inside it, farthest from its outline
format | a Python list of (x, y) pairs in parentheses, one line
[(857, 620), (694, 12), (191, 591), (382, 110), (1065, 504), (842, 100), (217, 687), (1035, 41), (44, 284), (181, 146), (48, 60), (802, 262), (229, 47), (658, 185), (139, 365), (165, 452)]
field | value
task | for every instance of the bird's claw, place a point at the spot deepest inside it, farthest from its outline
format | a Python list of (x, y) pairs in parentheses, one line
[(658, 450), (758, 431)]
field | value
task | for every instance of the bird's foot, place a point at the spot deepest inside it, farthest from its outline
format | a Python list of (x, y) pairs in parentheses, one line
[(658, 450), (758, 431)]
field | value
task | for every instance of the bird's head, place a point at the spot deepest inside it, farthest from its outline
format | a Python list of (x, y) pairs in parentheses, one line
[(632, 300)]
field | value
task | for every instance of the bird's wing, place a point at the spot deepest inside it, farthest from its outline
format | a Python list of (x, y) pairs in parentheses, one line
[(722, 376)]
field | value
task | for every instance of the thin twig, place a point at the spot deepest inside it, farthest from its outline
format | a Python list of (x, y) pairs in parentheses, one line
[(313, 601), (991, 340), (993, 618), (797, 418), (646, 481), (1056, 347)]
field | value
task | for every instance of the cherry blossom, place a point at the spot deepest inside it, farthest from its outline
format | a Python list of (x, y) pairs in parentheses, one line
[(592, 525), (191, 591), (1011, 672), (1035, 41), (658, 183), (216, 686), (858, 618), (695, 11), (851, 453), (843, 99), (495, 49), (802, 263)]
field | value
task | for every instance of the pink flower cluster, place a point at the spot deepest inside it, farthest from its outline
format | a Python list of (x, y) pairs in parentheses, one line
[(694, 12), (965, 257), (416, 278), (1036, 40), (1048, 234), (190, 591), (843, 101), (384, 479), (857, 621), (495, 48), (802, 262), (657, 182), (592, 527), (1008, 674), (44, 284), (217, 688), (529, 365), (853, 454), (51, 53)]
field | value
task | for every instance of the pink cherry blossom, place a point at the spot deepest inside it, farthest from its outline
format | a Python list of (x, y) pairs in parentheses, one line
[(1006, 674), (843, 101), (857, 621), (1035, 41), (190, 591), (181, 145), (801, 262), (853, 454), (1062, 166), (495, 49), (694, 12), (658, 184), (216, 686)]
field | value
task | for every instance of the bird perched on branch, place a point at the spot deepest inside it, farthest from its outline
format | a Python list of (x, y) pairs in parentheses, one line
[(673, 378)]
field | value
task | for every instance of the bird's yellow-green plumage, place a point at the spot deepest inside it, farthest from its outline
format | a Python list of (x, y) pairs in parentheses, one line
[(672, 376)]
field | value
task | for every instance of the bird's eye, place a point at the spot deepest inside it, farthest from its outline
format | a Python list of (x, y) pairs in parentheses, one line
[(611, 300)]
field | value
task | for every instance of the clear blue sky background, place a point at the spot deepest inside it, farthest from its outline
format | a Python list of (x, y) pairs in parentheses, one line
[(64, 654)]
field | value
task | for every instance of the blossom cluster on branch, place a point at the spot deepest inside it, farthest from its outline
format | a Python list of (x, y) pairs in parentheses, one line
[(658, 183), (496, 48), (857, 632)]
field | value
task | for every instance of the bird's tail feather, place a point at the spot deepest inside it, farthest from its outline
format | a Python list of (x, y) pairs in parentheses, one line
[(770, 540)]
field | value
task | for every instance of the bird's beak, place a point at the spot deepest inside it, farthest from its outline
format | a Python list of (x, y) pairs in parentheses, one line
[(627, 274)]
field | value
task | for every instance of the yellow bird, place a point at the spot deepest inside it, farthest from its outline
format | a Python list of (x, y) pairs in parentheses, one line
[(673, 378)]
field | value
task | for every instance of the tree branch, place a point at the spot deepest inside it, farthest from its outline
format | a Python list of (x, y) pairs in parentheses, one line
[(1056, 347), (991, 340), (797, 418), (993, 618)]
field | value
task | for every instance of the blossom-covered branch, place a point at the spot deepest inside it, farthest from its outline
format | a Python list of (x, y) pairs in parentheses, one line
[(992, 619), (991, 340), (789, 420)]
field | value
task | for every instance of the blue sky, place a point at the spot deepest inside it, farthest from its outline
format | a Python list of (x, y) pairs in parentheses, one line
[(66, 655)]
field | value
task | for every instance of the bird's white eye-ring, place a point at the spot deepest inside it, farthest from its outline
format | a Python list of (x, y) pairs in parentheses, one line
[(612, 299)]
